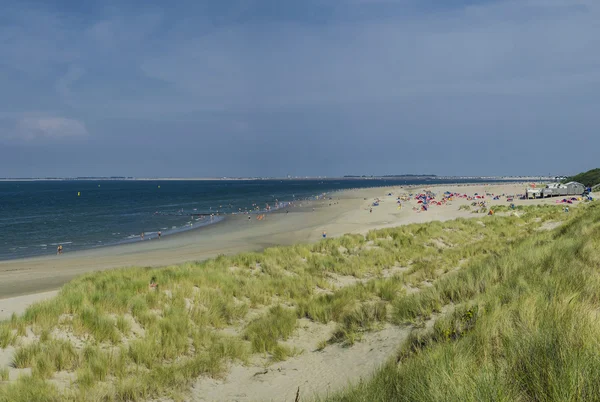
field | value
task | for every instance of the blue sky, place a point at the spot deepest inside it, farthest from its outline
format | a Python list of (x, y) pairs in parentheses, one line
[(318, 87)]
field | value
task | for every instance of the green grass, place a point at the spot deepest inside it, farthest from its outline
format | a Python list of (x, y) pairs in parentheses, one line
[(29, 389), (524, 328), (123, 325), (47, 357), (99, 326), (6, 335), (140, 342), (358, 318), (265, 332)]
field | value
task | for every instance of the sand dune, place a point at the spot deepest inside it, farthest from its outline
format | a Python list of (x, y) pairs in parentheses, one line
[(314, 371)]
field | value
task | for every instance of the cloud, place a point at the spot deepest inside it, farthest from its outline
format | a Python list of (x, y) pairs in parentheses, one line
[(160, 62), (413, 74), (496, 48), (55, 128)]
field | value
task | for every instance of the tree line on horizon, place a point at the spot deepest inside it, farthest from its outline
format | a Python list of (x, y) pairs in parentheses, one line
[(588, 179)]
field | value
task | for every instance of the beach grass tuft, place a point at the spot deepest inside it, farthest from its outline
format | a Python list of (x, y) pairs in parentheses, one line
[(29, 388), (6, 335), (4, 374), (265, 332)]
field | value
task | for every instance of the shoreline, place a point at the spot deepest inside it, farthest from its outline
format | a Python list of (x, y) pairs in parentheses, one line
[(408, 177), (179, 231), (219, 218), (223, 218), (198, 220), (348, 214)]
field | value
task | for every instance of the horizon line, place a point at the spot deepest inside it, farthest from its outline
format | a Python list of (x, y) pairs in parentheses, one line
[(345, 177)]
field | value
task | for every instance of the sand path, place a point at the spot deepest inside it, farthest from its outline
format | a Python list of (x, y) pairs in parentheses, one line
[(314, 372)]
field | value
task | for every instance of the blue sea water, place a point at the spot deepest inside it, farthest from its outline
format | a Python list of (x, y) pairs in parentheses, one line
[(36, 216)]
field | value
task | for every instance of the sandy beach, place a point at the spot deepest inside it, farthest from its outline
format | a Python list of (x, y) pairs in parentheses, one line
[(23, 282), (346, 212)]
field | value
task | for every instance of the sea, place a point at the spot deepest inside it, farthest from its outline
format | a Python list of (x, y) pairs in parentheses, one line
[(37, 216)]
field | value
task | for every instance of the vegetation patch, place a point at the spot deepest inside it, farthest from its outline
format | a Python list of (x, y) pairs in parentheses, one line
[(124, 340), (588, 179), (525, 326)]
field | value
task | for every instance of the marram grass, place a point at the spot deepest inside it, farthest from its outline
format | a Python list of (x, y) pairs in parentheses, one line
[(525, 327), (127, 341)]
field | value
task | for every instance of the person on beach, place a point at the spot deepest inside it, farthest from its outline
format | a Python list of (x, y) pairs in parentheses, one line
[(324, 234), (153, 284), (59, 249), (159, 234), (142, 235)]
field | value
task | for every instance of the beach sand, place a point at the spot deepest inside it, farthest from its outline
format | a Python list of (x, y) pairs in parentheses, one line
[(349, 213), (23, 282)]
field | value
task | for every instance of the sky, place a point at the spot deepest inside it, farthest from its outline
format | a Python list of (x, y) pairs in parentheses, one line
[(199, 88)]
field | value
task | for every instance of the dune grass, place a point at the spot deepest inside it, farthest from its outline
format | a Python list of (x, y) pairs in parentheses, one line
[(123, 340), (265, 332), (525, 327)]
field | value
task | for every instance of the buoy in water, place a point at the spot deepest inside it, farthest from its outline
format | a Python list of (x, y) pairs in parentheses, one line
[(78, 194)]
